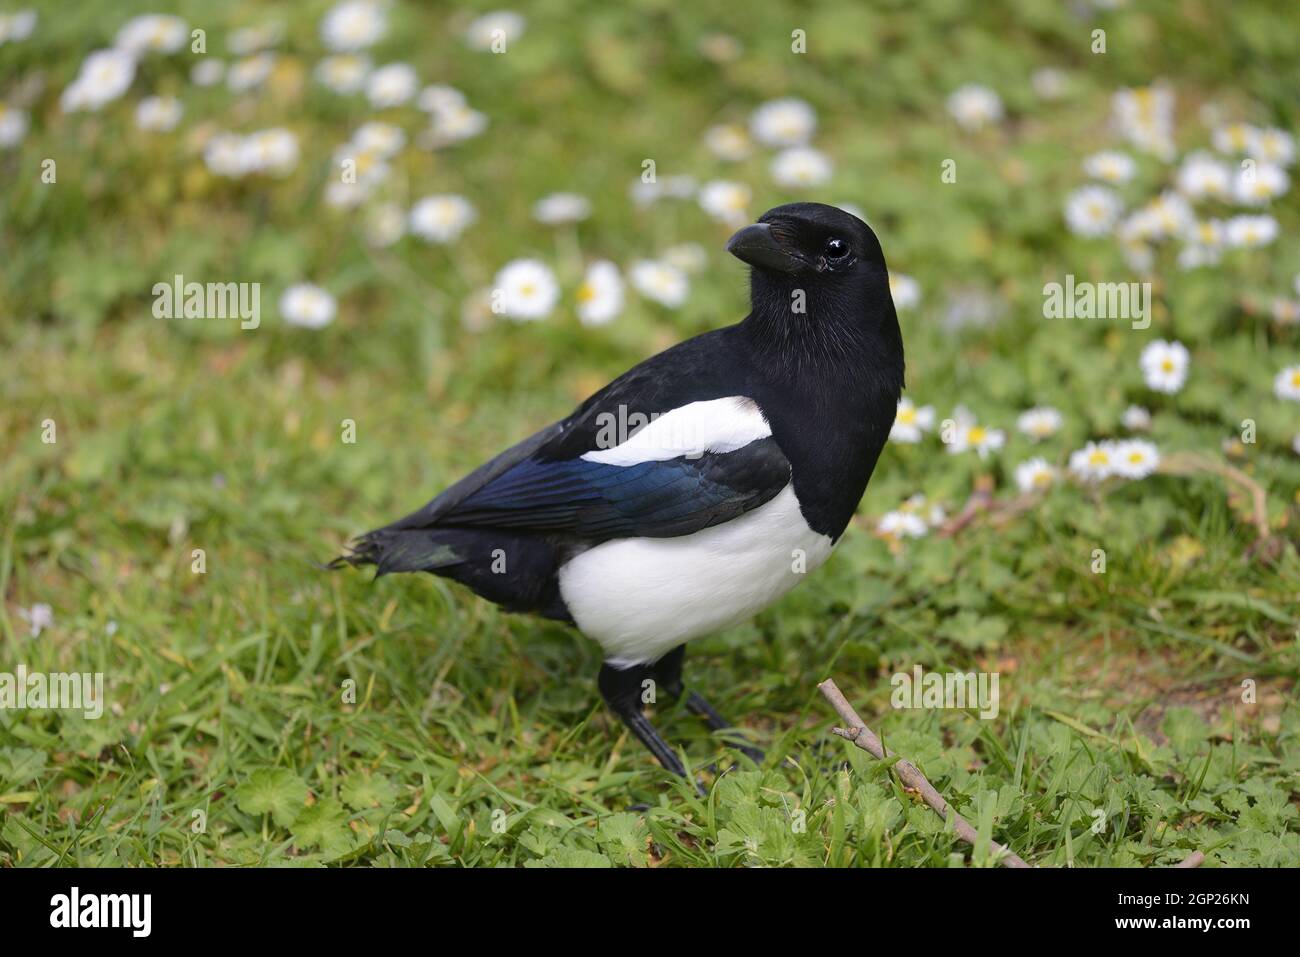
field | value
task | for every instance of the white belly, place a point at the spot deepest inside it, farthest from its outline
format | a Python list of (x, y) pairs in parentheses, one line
[(642, 597)]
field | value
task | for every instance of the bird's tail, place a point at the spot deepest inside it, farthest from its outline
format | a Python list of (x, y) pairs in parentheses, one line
[(400, 550)]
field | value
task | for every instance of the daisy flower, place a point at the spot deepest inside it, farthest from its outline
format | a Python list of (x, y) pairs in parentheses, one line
[(501, 26), (1048, 83), (974, 106), (152, 33), (901, 524), (39, 617), (16, 26), (559, 208), (441, 219), (273, 151), (1039, 423), (104, 76), (452, 124), (526, 290), (384, 139), (801, 166), (978, 438), (208, 72), (1259, 185), (1201, 175), (725, 201), (600, 297), (660, 281), (1034, 475), (728, 142), (1145, 117), (1164, 365), (439, 96), (307, 306), (391, 85), (1110, 166), (353, 25), (1287, 384), (158, 114), (1136, 419), (1251, 232), (250, 72), (905, 290), (1134, 458), (910, 422), (1094, 462), (253, 39), (385, 225), (1233, 138), (13, 126), (343, 73), (1092, 210), (785, 122), (1272, 146)]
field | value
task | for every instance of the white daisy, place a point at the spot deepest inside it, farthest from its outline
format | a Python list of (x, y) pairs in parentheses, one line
[(250, 72), (1092, 210), (208, 72), (910, 421), (385, 225), (1164, 365), (1039, 423), (439, 96), (104, 76), (801, 166), (441, 219), (526, 290), (1134, 458), (152, 33), (974, 106), (1287, 384), (728, 142), (1251, 232), (600, 297), (1034, 475), (493, 30), (16, 26), (1048, 83), (39, 617), (384, 139), (784, 122), (725, 201), (978, 438), (1145, 117), (1094, 462), (688, 257), (1166, 216), (1136, 419), (452, 124), (13, 126), (660, 281), (1110, 166), (158, 114), (1260, 185), (343, 73), (391, 85), (273, 151), (559, 208), (1233, 138), (905, 291), (1272, 146), (353, 25), (901, 524), (307, 306), (253, 39), (1201, 175)]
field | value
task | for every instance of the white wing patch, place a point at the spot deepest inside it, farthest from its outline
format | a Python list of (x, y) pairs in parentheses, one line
[(715, 425)]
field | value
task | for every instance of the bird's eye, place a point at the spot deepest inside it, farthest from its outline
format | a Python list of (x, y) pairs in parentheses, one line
[(836, 250)]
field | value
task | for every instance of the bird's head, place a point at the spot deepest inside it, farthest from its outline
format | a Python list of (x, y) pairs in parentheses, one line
[(818, 278)]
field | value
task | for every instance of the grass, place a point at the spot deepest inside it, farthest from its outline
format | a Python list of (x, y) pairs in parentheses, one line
[(264, 712)]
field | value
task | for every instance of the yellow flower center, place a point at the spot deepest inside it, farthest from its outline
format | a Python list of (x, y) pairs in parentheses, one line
[(977, 434), (906, 415)]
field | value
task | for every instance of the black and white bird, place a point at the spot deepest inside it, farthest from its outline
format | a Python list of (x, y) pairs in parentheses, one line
[(754, 447)]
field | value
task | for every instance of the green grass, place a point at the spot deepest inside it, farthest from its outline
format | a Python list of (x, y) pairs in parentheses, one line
[(477, 738)]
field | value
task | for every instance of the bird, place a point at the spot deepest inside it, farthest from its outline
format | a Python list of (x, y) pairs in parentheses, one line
[(697, 488)]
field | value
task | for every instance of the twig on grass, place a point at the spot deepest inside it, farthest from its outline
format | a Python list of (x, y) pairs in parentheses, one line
[(908, 773)]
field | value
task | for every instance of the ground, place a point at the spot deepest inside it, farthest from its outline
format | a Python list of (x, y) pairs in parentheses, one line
[(261, 710)]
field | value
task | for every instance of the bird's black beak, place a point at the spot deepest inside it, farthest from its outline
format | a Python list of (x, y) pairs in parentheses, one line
[(758, 246)]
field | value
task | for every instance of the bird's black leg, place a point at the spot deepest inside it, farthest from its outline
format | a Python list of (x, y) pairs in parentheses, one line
[(668, 674), (622, 691)]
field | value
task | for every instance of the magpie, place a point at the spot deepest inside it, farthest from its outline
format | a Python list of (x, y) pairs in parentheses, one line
[(695, 489)]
